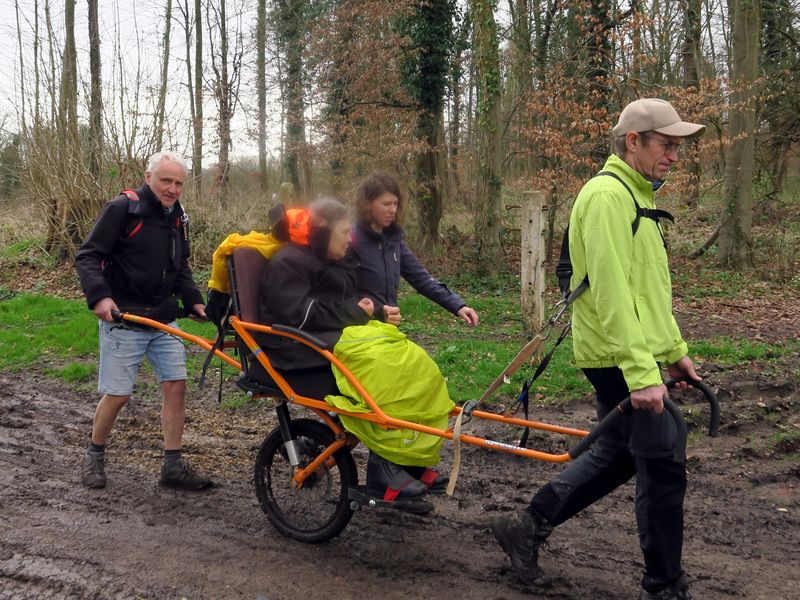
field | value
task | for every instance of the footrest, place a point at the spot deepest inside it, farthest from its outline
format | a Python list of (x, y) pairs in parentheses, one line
[(362, 497), (255, 388)]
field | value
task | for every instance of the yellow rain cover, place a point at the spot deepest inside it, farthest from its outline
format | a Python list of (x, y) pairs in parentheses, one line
[(266, 244), (404, 381)]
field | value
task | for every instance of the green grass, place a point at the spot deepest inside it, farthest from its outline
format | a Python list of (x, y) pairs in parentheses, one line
[(709, 282), (470, 365), (38, 329), (75, 372), (61, 335), (45, 330), (470, 359), (731, 351)]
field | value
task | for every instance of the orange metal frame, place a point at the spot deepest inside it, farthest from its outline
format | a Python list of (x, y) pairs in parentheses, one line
[(322, 409)]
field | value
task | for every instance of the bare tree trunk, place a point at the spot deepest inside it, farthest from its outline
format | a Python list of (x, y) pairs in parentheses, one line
[(636, 63), (70, 136), (187, 33), (460, 46), (426, 79), (197, 149), (735, 236), (24, 120), (96, 93), (217, 22), (599, 26), (51, 211), (521, 81), (51, 59), (291, 26), (36, 76), (488, 114), (68, 97), (261, 85), (162, 92), (691, 79)]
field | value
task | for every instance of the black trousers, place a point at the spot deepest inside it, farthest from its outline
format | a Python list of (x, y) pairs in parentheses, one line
[(645, 445)]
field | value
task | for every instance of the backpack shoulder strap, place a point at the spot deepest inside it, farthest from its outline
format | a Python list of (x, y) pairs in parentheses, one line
[(134, 203), (635, 224), (654, 214)]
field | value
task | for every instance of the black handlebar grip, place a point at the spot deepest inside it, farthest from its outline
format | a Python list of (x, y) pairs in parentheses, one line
[(713, 402), (311, 339), (611, 419)]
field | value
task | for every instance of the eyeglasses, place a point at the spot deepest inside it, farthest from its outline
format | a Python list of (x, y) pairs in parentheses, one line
[(667, 145)]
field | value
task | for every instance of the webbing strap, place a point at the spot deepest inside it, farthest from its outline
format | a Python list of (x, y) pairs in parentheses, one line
[(524, 395), (451, 485)]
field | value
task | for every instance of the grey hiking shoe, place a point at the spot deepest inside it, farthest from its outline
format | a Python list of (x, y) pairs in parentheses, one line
[(93, 470), (180, 474), (520, 536)]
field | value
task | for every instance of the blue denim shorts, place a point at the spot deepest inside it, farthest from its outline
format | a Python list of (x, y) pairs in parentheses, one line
[(122, 351)]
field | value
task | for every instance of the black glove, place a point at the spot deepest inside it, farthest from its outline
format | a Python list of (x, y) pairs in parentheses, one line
[(217, 307)]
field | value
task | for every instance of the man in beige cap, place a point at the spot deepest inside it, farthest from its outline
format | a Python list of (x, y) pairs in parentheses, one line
[(623, 330)]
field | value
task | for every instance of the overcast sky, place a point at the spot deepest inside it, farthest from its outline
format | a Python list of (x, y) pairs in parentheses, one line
[(142, 20)]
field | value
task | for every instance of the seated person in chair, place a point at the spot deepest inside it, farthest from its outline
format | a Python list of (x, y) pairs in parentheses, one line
[(310, 284)]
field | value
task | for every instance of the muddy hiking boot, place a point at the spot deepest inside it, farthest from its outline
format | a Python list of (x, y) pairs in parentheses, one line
[(93, 470), (392, 481), (520, 535), (180, 474), (677, 591)]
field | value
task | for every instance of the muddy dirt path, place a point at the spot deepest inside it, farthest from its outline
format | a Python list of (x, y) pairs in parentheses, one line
[(135, 540)]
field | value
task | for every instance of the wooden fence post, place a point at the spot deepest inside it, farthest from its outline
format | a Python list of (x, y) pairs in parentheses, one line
[(532, 260)]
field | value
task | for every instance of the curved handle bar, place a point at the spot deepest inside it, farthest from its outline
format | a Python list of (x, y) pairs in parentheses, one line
[(713, 402), (311, 339), (625, 406), (183, 313), (611, 419)]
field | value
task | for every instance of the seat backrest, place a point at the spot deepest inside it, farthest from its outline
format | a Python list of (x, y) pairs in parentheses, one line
[(246, 268)]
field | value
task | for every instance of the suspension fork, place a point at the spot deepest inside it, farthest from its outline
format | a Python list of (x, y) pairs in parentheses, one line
[(285, 426)]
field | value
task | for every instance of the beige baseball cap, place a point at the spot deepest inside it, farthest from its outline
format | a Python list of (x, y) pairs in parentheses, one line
[(654, 114)]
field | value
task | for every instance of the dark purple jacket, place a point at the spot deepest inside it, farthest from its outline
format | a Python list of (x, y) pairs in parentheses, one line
[(384, 258)]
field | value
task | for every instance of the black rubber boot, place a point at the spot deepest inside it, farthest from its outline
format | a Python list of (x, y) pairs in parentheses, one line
[(520, 536), (391, 480), (180, 474), (677, 591), (93, 471)]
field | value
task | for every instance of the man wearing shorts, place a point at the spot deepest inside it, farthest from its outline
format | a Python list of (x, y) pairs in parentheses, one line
[(135, 259)]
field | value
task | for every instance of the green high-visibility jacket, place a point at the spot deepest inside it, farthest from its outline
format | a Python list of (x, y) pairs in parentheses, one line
[(625, 317)]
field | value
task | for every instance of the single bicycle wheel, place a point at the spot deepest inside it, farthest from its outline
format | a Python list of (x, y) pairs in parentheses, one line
[(320, 509)]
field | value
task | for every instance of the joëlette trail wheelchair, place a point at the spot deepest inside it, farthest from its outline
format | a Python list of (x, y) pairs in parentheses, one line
[(305, 477)]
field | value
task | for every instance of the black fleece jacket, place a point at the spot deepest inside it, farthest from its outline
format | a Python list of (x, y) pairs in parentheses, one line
[(303, 290), (138, 255)]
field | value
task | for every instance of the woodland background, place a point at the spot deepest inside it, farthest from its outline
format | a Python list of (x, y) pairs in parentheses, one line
[(468, 103)]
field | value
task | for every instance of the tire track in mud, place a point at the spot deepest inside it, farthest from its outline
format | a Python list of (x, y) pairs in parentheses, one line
[(58, 540)]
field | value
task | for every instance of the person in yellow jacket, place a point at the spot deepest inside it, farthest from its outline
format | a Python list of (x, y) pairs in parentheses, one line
[(623, 328)]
